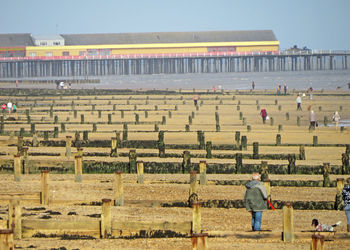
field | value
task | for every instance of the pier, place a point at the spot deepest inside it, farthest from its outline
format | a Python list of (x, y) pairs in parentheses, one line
[(85, 66)]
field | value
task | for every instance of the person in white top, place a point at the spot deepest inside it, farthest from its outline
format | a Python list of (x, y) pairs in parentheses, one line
[(336, 119), (298, 100), (9, 106)]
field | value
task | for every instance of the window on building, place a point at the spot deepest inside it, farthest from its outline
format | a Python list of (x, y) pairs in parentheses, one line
[(43, 43), (82, 53), (56, 43), (93, 52), (105, 52), (32, 54), (48, 54), (65, 53)]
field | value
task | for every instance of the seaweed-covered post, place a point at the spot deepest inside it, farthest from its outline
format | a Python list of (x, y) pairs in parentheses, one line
[(239, 163), (156, 128), (78, 168), (85, 135), (106, 218), (278, 139), (326, 170), (55, 132), (46, 135), (94, 127), (75, 114), (288, 224), (118, 189), (55, 121), (63, 128), (345, 163), (255, 150), (82, 119), (109, 119), (298, 121), (190, 120), (161, 144), (35, 140), (20, 144), (114, 147), (291, 164), (6, 239), (125, 132), (338, 196), (287, 116), (217, 119), (203, 173), (2, 124), (244, 142), (186, 161), (140, 175), (99, 113), (132, 161), (44, 194), (237, 137), (25, 160), (32, 128), (196, 218), (325, 121), (201, 139), (264, 171), (315, 140), (137, 118), (208, 147), (280, 127), (80, 152), (17, 167), (302, 152)]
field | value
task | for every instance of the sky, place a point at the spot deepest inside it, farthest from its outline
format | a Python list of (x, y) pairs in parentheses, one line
[(316, 24)]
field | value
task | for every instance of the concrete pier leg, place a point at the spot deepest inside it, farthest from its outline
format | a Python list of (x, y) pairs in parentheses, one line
[(44, 195), (106, 219), (288, 224), (118, 189), (78, 168)]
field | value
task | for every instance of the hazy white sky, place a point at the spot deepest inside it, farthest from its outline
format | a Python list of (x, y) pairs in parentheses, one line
[(317, 24)]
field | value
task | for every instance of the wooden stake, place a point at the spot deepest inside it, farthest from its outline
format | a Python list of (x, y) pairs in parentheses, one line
[(6, 239), (199, 241), (118, 189), (44, 195), (317, 242), (106, 218), (203, 172), (140, 176), (196, 218), (68, 145), (15, 218), (193, 182), (288, 225), (78, 168), (17, 167)]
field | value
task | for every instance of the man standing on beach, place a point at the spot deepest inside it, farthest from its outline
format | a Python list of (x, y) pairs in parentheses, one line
[(255, 200), (298, 100)]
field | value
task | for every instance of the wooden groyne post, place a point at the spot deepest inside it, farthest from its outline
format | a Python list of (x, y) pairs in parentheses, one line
[(44, 195), (17, 167), (6, 239), (106, 218), (78, 168), (15, 218), (288, 224), (317, 242), (203, 173), (118, 189), (140, 175), (196, 218), (68, 145)]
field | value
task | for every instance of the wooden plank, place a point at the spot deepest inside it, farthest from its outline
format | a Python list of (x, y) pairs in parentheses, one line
[(125, 227), (81, 227)]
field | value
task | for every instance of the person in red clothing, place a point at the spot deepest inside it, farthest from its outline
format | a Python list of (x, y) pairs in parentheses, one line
[(263, 114), (3, 107)]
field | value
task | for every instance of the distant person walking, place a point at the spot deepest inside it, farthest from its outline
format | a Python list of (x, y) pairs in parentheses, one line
[(255, 200), (14, 108), (263, 114), (298, 100), (3, 108), (312, 118), (285, 88), (336, 119), (346, 198), (9, 106), (195, 99), (253, 85)]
